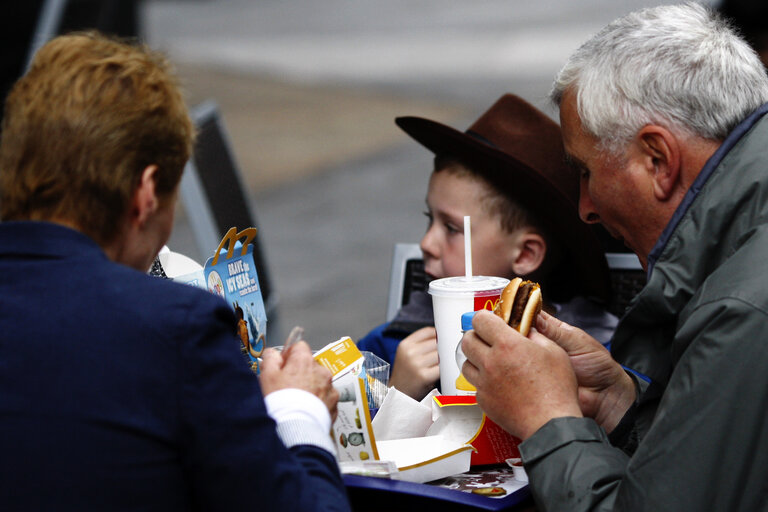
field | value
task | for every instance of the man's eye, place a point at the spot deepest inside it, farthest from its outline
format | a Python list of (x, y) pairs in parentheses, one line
[(429, 217), (450, 228)]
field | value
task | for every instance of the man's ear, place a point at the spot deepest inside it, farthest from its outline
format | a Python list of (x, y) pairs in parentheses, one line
[(530, 253), (663, 158), (144, 201)]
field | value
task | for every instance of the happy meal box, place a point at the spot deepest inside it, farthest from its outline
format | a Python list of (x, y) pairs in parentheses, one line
[(352, 431), (231, 274)]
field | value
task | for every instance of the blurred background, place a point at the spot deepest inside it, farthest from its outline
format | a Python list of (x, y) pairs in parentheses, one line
[(308, 91)]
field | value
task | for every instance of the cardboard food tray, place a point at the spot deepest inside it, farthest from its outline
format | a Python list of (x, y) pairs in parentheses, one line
[(379, 494)]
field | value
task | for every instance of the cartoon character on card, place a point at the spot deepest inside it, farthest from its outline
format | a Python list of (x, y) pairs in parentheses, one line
[(254, 349)]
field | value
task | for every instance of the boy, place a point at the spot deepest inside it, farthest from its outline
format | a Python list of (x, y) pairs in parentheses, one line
[(507, 172)]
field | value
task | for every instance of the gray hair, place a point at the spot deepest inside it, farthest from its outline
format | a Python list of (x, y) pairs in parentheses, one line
[(678, 66)]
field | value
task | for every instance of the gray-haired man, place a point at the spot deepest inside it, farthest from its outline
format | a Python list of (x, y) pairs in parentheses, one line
[(663, 112)]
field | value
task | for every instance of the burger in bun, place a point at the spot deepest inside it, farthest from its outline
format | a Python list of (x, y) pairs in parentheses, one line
[(519, 304)]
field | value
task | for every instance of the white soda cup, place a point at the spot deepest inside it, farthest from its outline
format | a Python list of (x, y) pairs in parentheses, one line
[(451, 298)]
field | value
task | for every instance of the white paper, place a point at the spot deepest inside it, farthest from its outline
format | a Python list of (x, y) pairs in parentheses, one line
[(400, 417), (426, 458), (459, 422), (410, 452)]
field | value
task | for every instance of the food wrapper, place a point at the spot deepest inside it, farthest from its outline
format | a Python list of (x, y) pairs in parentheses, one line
[(440, 436), (376, 379), (352, 431), (402, 417), (402, 428)]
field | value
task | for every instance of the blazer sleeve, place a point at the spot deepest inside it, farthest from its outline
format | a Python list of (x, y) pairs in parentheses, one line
[(231, 453)]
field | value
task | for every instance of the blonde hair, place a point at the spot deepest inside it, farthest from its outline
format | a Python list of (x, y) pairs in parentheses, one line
[(81, 126)]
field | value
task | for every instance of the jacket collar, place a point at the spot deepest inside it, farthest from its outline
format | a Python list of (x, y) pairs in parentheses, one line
[(727, 201), (45, 239), (709, 168)]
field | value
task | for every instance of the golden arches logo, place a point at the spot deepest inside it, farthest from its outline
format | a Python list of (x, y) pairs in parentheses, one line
[(233, 236), (490, 304)]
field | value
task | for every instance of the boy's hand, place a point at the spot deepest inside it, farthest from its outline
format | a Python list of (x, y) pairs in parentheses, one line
[(296, 368), (415, 370)]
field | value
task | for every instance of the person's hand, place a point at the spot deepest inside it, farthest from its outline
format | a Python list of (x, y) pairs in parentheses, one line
[(296, 368), (521, 382), (605, 389), (415, 370)]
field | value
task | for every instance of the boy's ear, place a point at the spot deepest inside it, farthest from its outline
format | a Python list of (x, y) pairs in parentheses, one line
[(530, 253)]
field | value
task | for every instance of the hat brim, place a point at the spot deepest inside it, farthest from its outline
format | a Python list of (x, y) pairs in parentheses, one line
[(584, 257)]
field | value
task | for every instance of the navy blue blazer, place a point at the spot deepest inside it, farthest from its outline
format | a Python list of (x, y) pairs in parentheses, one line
[(121, 391)]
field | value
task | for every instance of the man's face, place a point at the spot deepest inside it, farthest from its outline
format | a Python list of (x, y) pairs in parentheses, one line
[(613, 189)]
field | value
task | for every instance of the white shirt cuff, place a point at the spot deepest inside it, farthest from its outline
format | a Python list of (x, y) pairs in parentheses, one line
[(301, 417)]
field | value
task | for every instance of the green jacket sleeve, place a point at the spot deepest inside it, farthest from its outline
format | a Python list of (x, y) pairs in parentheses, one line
[(708, 442)]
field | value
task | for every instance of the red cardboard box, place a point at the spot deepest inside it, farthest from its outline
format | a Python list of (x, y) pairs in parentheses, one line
[(461, 414)]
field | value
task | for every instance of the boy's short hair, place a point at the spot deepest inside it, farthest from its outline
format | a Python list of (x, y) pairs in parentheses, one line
[(511, 214), (81, 126)]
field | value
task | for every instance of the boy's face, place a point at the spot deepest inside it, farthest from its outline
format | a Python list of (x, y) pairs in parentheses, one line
[(449, 198)]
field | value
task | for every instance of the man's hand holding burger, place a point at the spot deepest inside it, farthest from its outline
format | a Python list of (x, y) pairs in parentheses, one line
[(559, 370), (521, 382), (605, 389)]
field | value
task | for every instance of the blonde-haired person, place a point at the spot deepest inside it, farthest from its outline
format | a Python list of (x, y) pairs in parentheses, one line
[(122, 391), (508, 173)]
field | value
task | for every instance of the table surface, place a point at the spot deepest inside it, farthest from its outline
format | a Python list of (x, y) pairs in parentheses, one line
[(378, 495)]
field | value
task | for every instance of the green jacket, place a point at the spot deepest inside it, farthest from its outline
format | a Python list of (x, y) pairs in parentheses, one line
[(699, 329)]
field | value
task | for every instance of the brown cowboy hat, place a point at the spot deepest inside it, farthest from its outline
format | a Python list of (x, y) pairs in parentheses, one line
[(519, 150)]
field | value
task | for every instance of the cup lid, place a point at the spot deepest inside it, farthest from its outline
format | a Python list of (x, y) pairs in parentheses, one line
[(463, 284)]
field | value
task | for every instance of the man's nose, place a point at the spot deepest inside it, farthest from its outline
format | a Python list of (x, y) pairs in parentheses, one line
[(587, 210)]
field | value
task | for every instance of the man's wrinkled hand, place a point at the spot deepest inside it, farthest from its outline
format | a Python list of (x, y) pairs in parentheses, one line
[(521, 382), (605, 389), (296, 368)]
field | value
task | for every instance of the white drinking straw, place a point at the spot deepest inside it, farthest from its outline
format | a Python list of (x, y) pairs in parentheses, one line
[(467, 247)]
